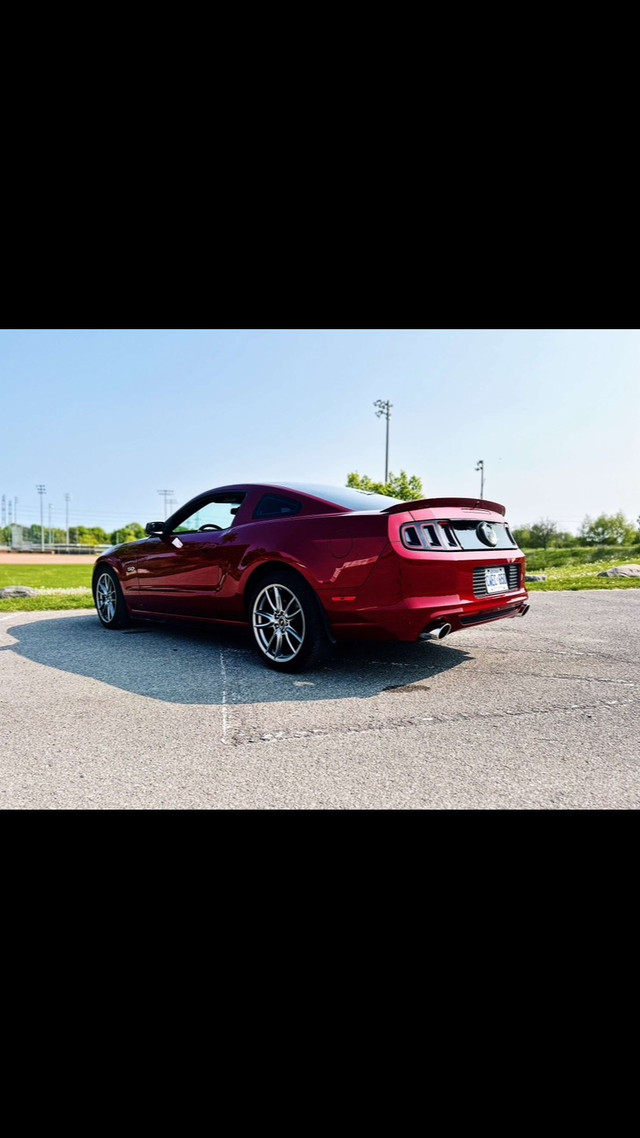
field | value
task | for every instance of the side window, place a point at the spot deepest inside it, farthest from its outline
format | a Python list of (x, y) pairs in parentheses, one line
[(217, 514), (274, 506)]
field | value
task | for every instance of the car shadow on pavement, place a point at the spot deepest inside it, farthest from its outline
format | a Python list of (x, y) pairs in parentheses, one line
[(188, 664)]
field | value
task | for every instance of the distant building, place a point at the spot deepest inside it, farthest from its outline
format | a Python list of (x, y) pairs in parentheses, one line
[(21, 543), (20, 538)]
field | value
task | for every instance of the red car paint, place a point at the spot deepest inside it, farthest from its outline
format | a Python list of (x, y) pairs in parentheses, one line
[(368, 581)]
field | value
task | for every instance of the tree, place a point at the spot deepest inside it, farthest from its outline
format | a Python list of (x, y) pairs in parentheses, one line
[(607, 529), (541, 535), (402, 486), (85, 535), (542, 532), (523, 536), (563, 538), (133, 531)]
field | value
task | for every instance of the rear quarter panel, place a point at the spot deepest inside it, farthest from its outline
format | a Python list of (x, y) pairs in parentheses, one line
[(336, 550)]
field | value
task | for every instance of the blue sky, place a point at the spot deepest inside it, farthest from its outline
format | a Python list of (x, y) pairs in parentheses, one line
[(111, 417)]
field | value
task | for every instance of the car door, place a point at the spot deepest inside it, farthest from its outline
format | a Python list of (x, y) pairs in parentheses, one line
[(181, 573)]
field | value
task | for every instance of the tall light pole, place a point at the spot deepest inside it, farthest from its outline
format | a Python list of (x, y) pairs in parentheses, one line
[(50, 532), (480, 467), (41, 490), (67, 499), (384, 408), (166, 494)]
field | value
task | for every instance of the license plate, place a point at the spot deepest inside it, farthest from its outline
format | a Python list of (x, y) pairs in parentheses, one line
[(496, 580)]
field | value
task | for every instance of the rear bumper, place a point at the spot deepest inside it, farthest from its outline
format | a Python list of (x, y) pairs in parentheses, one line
[(493, 614), (408, 620), (407, 593)]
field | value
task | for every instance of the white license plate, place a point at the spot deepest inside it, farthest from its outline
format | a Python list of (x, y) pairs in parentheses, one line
[(496, 580)]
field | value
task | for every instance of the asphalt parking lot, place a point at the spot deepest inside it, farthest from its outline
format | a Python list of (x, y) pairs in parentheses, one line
[(539, 713)]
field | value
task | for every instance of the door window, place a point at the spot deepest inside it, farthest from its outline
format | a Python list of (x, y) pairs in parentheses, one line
[(218, 514)]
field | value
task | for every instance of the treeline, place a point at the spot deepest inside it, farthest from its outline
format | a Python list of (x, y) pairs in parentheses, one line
[(78, 535), (607, 529)]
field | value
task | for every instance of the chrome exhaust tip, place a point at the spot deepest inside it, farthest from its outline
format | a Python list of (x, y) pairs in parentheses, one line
[(437, 633), (524, 610)]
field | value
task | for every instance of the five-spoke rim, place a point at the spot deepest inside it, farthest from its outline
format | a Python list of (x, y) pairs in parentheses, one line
[(106, 598), (278, 623)]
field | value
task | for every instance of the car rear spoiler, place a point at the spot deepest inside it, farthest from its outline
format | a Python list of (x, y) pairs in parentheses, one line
[(437, 503)]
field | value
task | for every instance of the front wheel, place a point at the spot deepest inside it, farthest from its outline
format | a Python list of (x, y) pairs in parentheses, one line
[(109, 601), (286, 623)]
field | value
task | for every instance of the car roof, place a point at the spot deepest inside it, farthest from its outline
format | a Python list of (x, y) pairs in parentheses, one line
[(344, 497)]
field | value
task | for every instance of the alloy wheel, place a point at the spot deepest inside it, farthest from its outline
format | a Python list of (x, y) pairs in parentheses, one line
[(106, 598), (278, 623)]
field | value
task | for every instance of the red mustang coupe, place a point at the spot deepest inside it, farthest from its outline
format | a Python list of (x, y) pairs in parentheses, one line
[(304, 566)]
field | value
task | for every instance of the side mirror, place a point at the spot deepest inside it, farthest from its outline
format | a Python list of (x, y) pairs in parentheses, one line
[(154, 529)]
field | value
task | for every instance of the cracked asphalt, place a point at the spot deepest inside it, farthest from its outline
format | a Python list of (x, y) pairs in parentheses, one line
[(540, 713)]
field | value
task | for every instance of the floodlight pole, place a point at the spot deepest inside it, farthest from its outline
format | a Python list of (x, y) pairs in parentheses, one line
[(480, 467), (384, 408), (67, 499), (166, 494), (41, 490)]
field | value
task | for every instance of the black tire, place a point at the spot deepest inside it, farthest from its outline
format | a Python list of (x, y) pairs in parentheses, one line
[(287, 624), (107, 596)]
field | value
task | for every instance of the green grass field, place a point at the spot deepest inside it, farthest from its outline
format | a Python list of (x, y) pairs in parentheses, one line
[(578, 568), (601, 557), (46, 577), (570, 569), (46, 604), (558, 580)]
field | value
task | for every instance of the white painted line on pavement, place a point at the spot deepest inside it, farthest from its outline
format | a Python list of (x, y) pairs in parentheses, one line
[(224, 698)]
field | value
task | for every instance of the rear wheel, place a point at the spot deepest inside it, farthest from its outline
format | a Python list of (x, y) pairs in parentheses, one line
[(287, 624), (109, 601)]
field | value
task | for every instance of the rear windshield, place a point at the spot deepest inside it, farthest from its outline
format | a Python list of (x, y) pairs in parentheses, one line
[(346, 496)]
